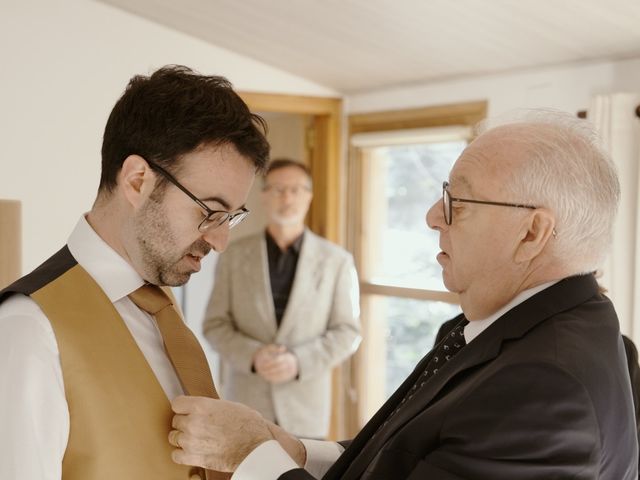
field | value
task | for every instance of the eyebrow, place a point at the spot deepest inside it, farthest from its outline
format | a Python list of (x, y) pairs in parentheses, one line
[(219, 200), (463, 181)]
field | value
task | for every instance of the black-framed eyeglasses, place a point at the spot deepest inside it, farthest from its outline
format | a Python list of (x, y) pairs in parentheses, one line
[(447, 201), (212, 218)]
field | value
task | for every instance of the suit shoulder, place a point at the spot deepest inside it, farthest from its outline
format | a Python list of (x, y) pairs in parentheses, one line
[(51, 269), (327, 248), (247, 242)]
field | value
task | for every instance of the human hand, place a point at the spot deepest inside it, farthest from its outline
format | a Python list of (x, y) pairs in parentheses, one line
[(264, 356), (292, 445), (275, 363), (215, 434), (282, 368)]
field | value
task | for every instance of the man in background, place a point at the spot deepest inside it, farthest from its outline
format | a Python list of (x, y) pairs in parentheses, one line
[(284, 310), (92, 351), (531, 382)]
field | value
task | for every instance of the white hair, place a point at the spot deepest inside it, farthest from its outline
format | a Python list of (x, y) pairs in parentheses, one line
[(567, 171)]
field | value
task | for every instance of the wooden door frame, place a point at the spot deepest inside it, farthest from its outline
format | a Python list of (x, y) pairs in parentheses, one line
[(325, 217)]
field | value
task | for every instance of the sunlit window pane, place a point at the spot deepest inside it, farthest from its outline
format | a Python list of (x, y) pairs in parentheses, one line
[(412, 326), (401, 279), (408, 180)]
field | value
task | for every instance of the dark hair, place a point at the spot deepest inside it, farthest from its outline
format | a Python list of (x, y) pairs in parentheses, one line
[(278, 163), (171, 113)]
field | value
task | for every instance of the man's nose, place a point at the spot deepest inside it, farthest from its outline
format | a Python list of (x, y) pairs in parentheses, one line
[(288, 194), (218, 237), (435, 216)]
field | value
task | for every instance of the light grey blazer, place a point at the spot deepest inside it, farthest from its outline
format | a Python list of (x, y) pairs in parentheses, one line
[(320, 326)]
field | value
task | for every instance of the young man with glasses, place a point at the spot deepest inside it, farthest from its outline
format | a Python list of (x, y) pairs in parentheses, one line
[(284, 310), (91, 349), (532, 381)]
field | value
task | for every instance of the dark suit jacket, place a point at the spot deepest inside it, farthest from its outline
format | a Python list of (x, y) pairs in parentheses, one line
[(634, 375), (543, 393)]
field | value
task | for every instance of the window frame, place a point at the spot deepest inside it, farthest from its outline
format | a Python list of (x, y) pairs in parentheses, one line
[(368, 391)]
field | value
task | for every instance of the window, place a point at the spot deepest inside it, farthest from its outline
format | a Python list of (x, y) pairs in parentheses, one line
[(399, 176)]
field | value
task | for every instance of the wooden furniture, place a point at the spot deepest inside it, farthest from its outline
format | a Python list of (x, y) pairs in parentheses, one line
[(10, 242)]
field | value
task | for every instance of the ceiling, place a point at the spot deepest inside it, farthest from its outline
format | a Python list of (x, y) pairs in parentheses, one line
[(359, 45)]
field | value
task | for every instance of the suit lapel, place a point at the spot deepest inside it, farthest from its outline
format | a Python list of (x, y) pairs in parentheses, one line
[(512, 325), (256, 267), (305, 282), (483, 349), (349, 462)]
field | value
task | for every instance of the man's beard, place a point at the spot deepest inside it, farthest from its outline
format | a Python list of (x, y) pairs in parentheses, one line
[(158, 247), (284, 220)]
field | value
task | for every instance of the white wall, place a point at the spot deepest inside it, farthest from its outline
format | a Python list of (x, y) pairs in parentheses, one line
[(568, 87), (64, 64)]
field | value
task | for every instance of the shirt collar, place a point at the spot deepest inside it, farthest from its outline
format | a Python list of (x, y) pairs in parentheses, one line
[(295, 246), (115, 276), (476, 327)]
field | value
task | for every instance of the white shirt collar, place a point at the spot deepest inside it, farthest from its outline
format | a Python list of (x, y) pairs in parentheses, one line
[(116, 277), (476, 327)]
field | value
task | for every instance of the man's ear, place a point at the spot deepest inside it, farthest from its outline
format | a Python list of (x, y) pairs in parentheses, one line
[(537, 229), (136, 180)]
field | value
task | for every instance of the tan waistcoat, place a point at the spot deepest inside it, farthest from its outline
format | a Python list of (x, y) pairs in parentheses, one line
[(120, 416)]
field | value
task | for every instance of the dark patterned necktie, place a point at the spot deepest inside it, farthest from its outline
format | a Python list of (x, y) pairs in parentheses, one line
[(448, 348), (445, 350)]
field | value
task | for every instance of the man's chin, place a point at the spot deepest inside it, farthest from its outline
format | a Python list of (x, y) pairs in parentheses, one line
[(449, 283), (175, 279)]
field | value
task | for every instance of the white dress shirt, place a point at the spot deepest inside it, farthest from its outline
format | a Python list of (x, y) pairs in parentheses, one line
[(34, 413), (476, 327), (269, 460)]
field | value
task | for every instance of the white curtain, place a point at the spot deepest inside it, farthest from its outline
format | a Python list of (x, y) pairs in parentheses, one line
[(615, 118)]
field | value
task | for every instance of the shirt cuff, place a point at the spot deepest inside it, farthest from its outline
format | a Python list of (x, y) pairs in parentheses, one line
[(266, 462), (320, 456)]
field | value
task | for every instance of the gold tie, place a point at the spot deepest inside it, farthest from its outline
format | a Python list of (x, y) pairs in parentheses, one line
[(183, 349)]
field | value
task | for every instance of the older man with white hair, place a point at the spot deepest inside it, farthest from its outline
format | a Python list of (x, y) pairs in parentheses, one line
[(531, 383)]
